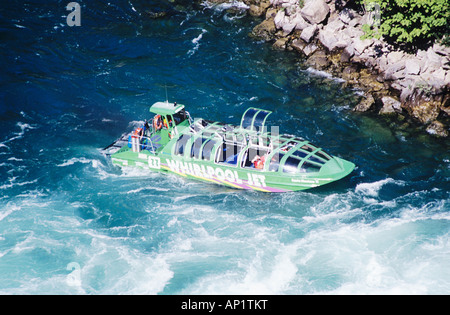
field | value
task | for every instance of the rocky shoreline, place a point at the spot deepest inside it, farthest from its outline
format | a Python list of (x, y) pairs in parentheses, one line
[(327, 33)]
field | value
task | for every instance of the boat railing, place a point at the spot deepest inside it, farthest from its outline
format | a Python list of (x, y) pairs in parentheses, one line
[(141, 143), (191, 121)]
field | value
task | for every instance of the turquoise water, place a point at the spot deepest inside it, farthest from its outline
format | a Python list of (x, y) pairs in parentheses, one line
[(71, 223)]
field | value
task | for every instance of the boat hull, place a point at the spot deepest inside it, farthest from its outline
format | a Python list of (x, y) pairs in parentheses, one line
[(234, 177), (247, 156)]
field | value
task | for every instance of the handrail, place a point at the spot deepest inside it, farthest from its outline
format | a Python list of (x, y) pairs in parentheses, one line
[(151, 143)]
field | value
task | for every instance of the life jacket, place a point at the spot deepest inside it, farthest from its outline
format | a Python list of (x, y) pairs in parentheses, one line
[(259, 163)]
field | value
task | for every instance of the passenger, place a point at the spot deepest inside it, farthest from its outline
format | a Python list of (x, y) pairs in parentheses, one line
[(259, 161), (146, 129), (138, 133), (166, 124)]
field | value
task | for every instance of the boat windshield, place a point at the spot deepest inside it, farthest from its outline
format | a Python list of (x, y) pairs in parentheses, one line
[(179, 117)]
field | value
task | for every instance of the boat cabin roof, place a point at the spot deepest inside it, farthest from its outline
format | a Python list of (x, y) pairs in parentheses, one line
[(166, 108)]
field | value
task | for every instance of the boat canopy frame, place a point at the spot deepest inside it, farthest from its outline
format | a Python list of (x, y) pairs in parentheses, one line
[(252, 134), (280, 149), (254, 119)]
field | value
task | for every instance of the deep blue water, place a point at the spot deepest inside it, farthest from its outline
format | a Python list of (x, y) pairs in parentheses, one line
[(70, 223)]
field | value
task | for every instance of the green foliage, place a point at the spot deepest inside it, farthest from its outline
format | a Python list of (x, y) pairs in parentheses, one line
[(446, 40), (370, 32), (411, 22)]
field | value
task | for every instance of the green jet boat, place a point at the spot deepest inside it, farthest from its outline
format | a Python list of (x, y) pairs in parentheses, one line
[(245, 157)]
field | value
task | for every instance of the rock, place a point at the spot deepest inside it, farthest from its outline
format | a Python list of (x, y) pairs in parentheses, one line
[(423, 109), (288, 27), (369, 81), (334, 26), (439, 75), (357, 20), (421, 54), (347, 53), (271, 13), (350, 73), (315, 11), (433, 60), (289, 22), (318, 60), (298, 45), (281, 3), (446, 65), (395, 71), (310, 49), (394, 57), (299, 21), (279, 19), (438, 129), (264, 31), (409, 81), (291, 8), (436, 80), (396, 76), (371, 62), (331, 41), (280, 43), (309, 32), (365, 104), (346, 15), (361, 45), (390, 106), (256, 10), (406, 92), (328, 39), (412, 66), (156, 15), (420, 81), (441, 50), (352, 32), (446, 104)]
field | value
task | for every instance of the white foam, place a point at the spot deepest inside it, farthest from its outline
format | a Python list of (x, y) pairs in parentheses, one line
[(257, 272), (72, 161), (324, 74), (15, 159), (132, 272), (135, 123), (136, 191), (196, 42), (132, 7), (137, 172), (12, 183), (237, 5), (18, 135), (9, 209), (373, 189)]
